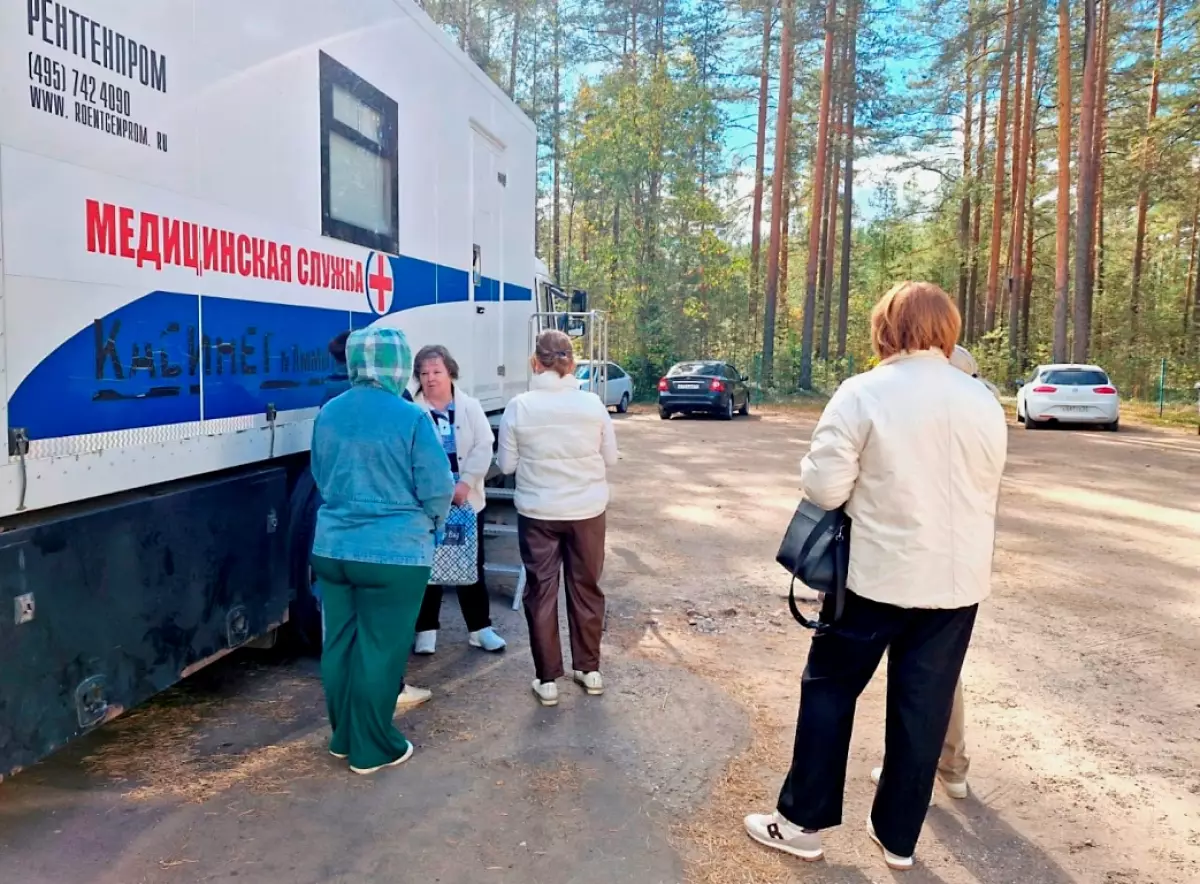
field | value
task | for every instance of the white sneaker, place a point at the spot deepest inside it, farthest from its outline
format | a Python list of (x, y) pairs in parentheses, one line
[(772, 830), (894, 861), (954, 789), (425, 643), (488, 639), (412, 697), (546, 692), (370, 770), (591, 682)]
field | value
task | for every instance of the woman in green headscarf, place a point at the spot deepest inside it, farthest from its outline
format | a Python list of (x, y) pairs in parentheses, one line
[(386, 486)]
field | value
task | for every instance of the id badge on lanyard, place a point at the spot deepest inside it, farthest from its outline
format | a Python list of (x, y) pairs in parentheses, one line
[(445, 428)]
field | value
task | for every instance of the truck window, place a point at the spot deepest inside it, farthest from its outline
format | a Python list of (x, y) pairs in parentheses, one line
[(359, 156)]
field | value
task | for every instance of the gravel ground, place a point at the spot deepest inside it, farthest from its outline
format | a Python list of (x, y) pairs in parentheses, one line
[(1083, 717)]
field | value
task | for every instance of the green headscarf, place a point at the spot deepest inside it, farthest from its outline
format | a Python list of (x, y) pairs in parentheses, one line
[(379, 357)]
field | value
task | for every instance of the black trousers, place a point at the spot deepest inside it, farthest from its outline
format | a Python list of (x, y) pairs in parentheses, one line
[(473, 600), (925, 649)]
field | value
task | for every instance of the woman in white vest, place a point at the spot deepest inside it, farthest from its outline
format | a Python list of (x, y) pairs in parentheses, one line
[(467, 438), (559, 441)]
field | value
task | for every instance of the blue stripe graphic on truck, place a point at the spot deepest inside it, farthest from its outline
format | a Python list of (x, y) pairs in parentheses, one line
[(148, 363)]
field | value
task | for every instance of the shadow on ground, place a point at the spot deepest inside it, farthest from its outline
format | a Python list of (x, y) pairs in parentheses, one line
[(227, 779)]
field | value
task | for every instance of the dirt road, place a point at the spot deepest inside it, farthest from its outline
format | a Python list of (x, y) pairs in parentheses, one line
[(1083, 712), (1084, 719)]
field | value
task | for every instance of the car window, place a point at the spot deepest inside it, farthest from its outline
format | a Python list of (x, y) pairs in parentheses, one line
[(1075, 377), (583, 372), (704, 369), (732, 373), (614, 372)]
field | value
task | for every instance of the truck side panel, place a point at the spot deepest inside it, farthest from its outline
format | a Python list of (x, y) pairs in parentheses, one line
[(171, 277), (106, 608)]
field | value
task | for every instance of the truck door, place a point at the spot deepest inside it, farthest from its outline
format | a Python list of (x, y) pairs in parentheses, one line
[(487, 267)]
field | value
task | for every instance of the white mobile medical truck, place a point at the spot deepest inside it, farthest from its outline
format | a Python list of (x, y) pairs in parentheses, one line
[(196, 196)]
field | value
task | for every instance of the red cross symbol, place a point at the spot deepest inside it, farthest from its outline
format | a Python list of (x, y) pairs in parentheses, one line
[(380, 285)]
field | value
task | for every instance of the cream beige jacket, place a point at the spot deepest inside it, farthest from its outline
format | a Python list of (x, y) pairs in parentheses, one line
[(559, 441), (915, 450)]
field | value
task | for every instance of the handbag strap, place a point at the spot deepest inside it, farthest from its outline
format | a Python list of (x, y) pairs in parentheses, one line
[(796, 613)]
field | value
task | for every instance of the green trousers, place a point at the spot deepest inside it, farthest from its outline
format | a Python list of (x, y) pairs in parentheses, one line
[(370, 619)]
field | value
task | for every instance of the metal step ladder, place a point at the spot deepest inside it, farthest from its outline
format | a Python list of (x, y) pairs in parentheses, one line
[(503, 534)]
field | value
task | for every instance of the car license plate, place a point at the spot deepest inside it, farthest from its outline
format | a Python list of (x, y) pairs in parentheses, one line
[(688, 386), (1074, 408)]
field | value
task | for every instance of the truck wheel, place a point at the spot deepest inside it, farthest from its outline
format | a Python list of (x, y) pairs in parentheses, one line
[(305, 609)]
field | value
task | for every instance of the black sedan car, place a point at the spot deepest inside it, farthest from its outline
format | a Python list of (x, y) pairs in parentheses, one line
[(707, 386)]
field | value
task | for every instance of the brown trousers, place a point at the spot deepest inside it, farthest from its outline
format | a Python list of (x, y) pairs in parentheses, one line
[(578, 549)]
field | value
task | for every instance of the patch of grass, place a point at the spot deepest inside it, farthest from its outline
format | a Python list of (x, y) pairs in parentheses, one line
[(1184, 416)]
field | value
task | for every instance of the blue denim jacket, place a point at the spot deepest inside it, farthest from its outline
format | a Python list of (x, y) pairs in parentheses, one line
[(384, 478)]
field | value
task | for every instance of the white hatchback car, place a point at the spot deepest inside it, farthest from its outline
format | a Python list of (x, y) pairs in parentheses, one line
[(1069, 394), (619, 388)]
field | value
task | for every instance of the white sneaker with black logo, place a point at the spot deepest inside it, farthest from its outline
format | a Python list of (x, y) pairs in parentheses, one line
[(772, 830)]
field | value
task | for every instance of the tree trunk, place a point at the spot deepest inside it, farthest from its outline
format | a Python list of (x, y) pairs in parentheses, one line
[(1086, 189), (974, 314), (760, 151), (1099, 148), (1027, 288), (848, 198), (829, 222), (614, 261), (556, 137), (818, 200), (1062, 223), (1143, 203), (1187, 289), (1021, 184), (1195, 342), (785, 239), (821, 250), (964, 213), (1017, 116), (993, 281), (831, 242), (566, 280), (782, 120), (538, 215), (516, 38)]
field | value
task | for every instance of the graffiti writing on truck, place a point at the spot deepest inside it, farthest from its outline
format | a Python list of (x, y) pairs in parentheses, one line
[(184, 354)]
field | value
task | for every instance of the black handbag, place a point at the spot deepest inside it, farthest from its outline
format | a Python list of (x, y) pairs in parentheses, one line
[(816, 551)]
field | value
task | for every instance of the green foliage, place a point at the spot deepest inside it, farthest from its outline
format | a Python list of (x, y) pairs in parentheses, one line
[(653, 145)]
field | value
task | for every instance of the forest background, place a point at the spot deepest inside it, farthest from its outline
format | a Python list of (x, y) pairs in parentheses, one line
[(742, 180)]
